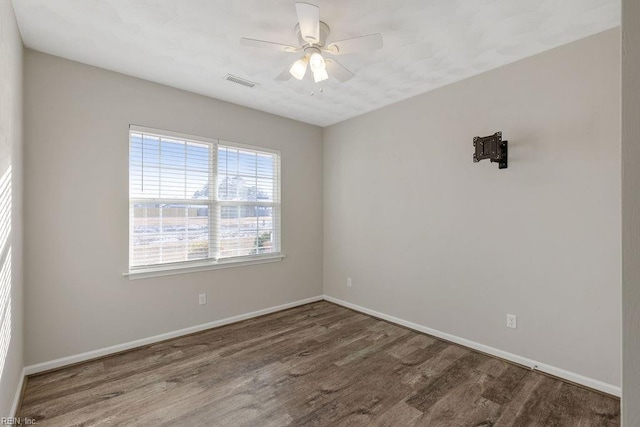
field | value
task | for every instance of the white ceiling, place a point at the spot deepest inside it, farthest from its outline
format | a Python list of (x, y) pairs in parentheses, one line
[(193, 44)]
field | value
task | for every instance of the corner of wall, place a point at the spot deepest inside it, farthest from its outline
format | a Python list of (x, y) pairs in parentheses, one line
[(11, 172), (630, 211)]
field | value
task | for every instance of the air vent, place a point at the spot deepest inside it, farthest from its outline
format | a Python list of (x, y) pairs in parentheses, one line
[(240, 81)]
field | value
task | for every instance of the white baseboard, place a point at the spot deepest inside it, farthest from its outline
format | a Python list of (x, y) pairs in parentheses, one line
[(69, 360), (552, 370), (18, 396), (542, 367)]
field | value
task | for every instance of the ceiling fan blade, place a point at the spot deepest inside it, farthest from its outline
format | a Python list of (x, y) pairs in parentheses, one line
[(309, 19), (267, 45), (356, 44), (284, 75), (338, 71)]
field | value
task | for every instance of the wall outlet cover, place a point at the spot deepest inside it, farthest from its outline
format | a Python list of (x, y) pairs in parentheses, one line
[(512, 321)]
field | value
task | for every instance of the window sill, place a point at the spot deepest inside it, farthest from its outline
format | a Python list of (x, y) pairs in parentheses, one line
[(145, 273)]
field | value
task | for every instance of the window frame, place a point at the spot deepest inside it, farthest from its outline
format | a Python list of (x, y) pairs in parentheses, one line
[(214, 205)]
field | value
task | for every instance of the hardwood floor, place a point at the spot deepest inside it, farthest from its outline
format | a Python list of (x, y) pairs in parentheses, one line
[(318, 364)]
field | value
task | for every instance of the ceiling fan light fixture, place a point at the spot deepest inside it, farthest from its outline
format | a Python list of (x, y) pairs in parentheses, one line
[(320, 75), (312, 36), (299, 68), (316, 62)]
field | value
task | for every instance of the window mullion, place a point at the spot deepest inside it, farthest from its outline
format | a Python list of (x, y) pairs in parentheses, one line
[(160, 194), (255, 209), (187, 207), (214, 214)]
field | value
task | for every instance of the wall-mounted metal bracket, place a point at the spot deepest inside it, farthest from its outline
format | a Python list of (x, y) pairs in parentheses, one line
[(493, 148)]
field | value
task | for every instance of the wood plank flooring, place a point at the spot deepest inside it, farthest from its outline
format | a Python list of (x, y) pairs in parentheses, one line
[(318, 365)]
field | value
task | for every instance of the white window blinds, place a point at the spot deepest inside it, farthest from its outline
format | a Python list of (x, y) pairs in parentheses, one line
[(193, 199)]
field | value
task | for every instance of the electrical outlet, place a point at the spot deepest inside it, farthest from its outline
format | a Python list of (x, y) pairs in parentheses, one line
[(202, 299), (348, 282), (512, 321)]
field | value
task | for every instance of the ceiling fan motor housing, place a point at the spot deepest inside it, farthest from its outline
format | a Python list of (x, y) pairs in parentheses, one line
[(324, 33)]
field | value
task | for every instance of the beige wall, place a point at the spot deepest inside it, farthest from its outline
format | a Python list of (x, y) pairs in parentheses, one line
[(11, 331), (430, 237), (631, 212), (76, 139)]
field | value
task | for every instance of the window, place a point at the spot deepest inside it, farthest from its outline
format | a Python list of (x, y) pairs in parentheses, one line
[(194, 201)]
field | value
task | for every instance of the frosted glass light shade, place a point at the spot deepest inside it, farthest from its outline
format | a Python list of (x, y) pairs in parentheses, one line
[(298, 69), (320, 75), (316, 62)]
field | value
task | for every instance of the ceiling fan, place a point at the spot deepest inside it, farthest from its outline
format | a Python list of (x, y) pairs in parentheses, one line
[(312, 35)]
